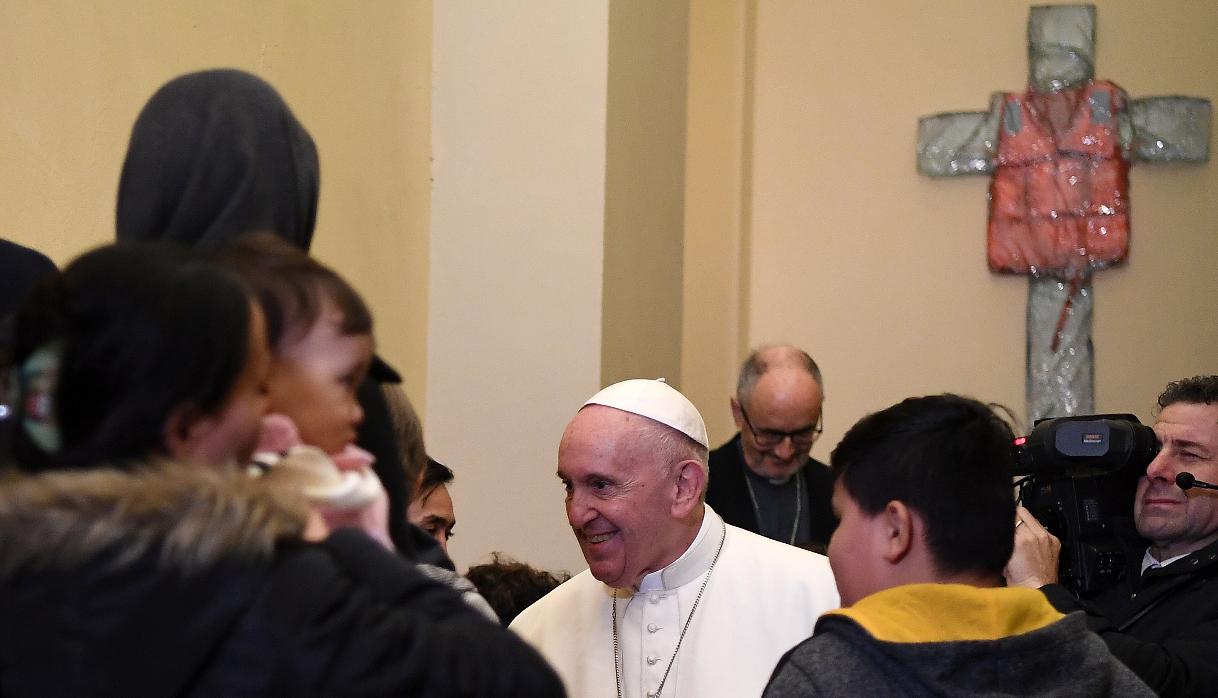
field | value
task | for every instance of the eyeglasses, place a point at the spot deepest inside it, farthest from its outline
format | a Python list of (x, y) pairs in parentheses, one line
[(800, 438)]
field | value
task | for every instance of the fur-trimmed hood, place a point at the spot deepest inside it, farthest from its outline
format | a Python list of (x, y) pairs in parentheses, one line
[(173, 581), (134, 582), (191, 517)]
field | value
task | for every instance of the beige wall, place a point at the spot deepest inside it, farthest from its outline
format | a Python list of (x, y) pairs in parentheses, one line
[(76, 74), (718, 198), (879, 272), (644, 191), (517, 235), (804, 218)]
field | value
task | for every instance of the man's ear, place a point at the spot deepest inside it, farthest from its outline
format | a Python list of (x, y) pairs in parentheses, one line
[(184, 429), (736, 414), (897, 527), (689, 478)]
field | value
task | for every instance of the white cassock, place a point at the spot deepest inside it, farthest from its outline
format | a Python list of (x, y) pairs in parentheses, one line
[(763, 597)]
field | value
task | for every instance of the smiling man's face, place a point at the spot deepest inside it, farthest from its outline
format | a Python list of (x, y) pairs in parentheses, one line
[(619, 497), (1176, 521)]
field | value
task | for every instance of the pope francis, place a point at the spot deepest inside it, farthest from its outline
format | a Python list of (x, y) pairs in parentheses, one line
[(674, 601)]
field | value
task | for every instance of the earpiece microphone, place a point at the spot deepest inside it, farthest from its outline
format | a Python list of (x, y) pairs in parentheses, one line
[(1186, 481)]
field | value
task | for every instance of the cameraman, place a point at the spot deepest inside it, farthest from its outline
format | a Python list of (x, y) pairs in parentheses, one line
[(1161, 619)]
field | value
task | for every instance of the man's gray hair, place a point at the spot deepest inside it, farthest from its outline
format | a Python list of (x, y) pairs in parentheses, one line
[(763, 359), (672, 447)]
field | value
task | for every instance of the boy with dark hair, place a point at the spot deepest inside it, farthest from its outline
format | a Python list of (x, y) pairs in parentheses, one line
[(923, 490)]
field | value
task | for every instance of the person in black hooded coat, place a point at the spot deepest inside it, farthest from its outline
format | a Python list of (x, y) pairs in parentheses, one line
[(216, 155), (138, 558)]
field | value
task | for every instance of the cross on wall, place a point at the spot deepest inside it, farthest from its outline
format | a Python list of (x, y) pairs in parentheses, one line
[(1059, 154)]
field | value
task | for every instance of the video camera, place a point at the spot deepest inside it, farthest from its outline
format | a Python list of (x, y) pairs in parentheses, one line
[(1081, 478)]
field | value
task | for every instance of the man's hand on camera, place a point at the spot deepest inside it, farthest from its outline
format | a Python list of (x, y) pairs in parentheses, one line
[(1034, 562)]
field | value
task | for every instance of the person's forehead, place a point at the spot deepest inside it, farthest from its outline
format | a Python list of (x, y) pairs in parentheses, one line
[(784, 399), (599, 434), (328, 326), (439, 501), (1189, 422), (325, 343), (787, 382)]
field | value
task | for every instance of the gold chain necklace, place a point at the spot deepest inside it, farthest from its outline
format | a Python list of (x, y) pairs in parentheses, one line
[(617, 669)]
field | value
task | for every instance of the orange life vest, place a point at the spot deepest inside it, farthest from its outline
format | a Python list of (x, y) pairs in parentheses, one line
[(1059, 198)]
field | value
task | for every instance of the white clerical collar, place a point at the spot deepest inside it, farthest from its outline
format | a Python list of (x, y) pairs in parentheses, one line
[(1149, 560), (693, 563)]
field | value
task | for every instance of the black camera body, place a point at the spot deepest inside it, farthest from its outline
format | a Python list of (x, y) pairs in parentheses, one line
[(1081, 477)]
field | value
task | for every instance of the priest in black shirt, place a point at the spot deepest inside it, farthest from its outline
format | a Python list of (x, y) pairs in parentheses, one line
[(764, 479)]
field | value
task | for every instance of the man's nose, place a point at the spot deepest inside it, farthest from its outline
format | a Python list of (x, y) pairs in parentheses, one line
[(1162, 467), (578, 512), (357, 413), (785, 448)]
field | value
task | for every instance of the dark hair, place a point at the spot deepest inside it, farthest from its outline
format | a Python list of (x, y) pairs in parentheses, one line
[(950, 459), (293, 288), (510, 586), (435, 474), (140, 330), (1198, 390)]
